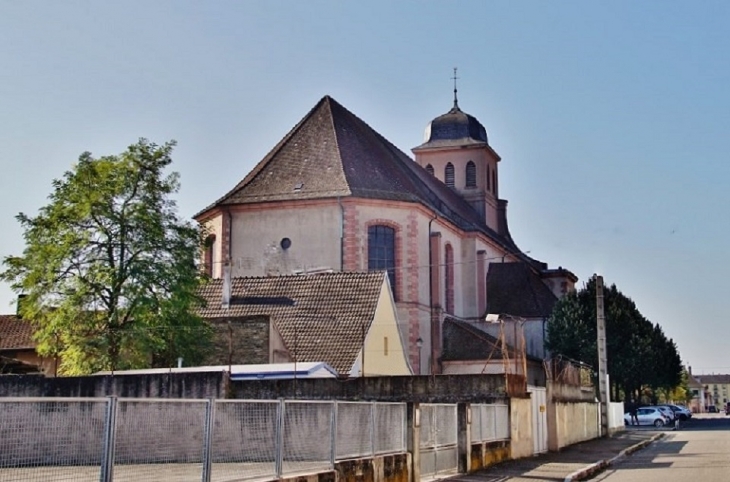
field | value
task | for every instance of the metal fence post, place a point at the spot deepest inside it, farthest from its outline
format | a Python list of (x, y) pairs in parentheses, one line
[(372, 428), (208, 439), (279, 455), (107, 457), (333, 435)]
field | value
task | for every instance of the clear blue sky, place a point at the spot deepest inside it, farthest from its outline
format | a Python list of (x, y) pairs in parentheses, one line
[(611, 117)]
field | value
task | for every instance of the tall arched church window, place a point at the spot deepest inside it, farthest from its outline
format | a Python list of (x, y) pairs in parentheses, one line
[(471, 174), (381, 252), (449, 175), (494, 181), (489, 181), (429, 168), (449, 278), (209, 247)]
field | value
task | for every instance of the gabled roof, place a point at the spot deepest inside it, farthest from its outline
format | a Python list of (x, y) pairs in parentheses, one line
[(15, 333), (720, 379), (332, 153), (516, 289), (462, 341), (326, 321)]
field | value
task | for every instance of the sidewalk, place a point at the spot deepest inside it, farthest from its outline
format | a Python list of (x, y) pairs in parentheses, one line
[(573, 463)]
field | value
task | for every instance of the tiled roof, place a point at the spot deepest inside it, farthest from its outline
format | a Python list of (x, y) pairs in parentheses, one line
[(327, 321), (714, 379), (333, 153), (15, 333), (462, 341), (515, 289)]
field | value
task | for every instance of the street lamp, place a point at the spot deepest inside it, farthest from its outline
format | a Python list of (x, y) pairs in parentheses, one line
[(419, 344)]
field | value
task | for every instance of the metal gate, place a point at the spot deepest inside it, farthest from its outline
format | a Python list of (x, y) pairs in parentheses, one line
[(539, 419), (438, 444)]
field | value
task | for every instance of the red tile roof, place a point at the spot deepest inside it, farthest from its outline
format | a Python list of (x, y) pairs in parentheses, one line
[(325, 321), (15, 333)]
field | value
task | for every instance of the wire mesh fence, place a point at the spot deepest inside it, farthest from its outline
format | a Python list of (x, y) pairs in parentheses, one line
[(52, 439), (45, 439), (489, 422)]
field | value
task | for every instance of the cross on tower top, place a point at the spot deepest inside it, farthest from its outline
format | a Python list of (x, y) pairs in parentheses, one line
[(455, 78)]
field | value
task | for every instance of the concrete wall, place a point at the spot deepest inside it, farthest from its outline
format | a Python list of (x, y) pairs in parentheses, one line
[(171, 385), (570, 423), (521, 443), (384, 468), (457, 388), (486, 454)]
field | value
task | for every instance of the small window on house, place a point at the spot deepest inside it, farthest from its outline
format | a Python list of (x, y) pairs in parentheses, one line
[(429, 168), (385, 346), (489, 183), (449, 175), (494, 181), (471, 174)]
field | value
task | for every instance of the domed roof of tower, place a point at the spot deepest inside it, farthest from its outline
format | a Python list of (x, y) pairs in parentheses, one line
[(453, 129)]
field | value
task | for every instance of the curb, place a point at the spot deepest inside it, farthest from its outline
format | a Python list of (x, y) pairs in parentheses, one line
[(593, 469)]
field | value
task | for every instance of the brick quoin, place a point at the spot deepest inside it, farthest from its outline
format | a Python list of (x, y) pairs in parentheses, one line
[(351, 244), (412, 270)]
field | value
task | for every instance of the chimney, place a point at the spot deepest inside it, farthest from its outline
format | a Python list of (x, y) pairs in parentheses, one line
[(689, 369), (226, 301), (21, 298)]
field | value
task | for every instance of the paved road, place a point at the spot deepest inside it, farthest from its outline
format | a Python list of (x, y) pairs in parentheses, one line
[(700, 451)]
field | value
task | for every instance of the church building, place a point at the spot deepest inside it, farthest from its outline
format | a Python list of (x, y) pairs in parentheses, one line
[(335, 195)]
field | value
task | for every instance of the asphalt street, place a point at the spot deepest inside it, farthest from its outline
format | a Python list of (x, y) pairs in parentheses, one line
[(699, 451)]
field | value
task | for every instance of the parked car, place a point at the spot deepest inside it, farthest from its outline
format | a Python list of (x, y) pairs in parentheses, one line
[(667, 411), (648, 416), (682, 412)]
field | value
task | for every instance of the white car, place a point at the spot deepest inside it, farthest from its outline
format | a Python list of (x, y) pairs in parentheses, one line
[(648, 416), (667, 411), (682, 412)]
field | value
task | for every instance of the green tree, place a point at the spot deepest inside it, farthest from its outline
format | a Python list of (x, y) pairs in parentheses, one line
[(639, 354), (109, 270)]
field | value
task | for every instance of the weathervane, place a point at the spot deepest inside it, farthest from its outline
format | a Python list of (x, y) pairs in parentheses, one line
[(456, 101)]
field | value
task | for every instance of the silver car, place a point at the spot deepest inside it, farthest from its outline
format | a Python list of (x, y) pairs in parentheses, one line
[(648, 416)]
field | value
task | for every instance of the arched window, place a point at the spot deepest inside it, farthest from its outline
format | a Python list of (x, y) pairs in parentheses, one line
[(209, 250), (489, 182), (449, 278), (381, 252), (429, 168), (471, 174), (449, 175), (494, 181)]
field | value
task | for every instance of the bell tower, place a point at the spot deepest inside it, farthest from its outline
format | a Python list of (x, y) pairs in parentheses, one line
[(455, 150)]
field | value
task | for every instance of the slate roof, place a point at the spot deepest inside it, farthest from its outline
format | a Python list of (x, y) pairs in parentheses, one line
[(462, 341), (333, 153), (15, 333), (327, 321), (714, 379), (456, 128), (516, 289)]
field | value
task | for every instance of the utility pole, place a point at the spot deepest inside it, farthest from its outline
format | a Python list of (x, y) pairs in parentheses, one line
[(602, 356)]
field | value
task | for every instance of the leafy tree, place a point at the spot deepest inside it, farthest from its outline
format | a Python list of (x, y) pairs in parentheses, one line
[(109, 270), (639, 354)]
